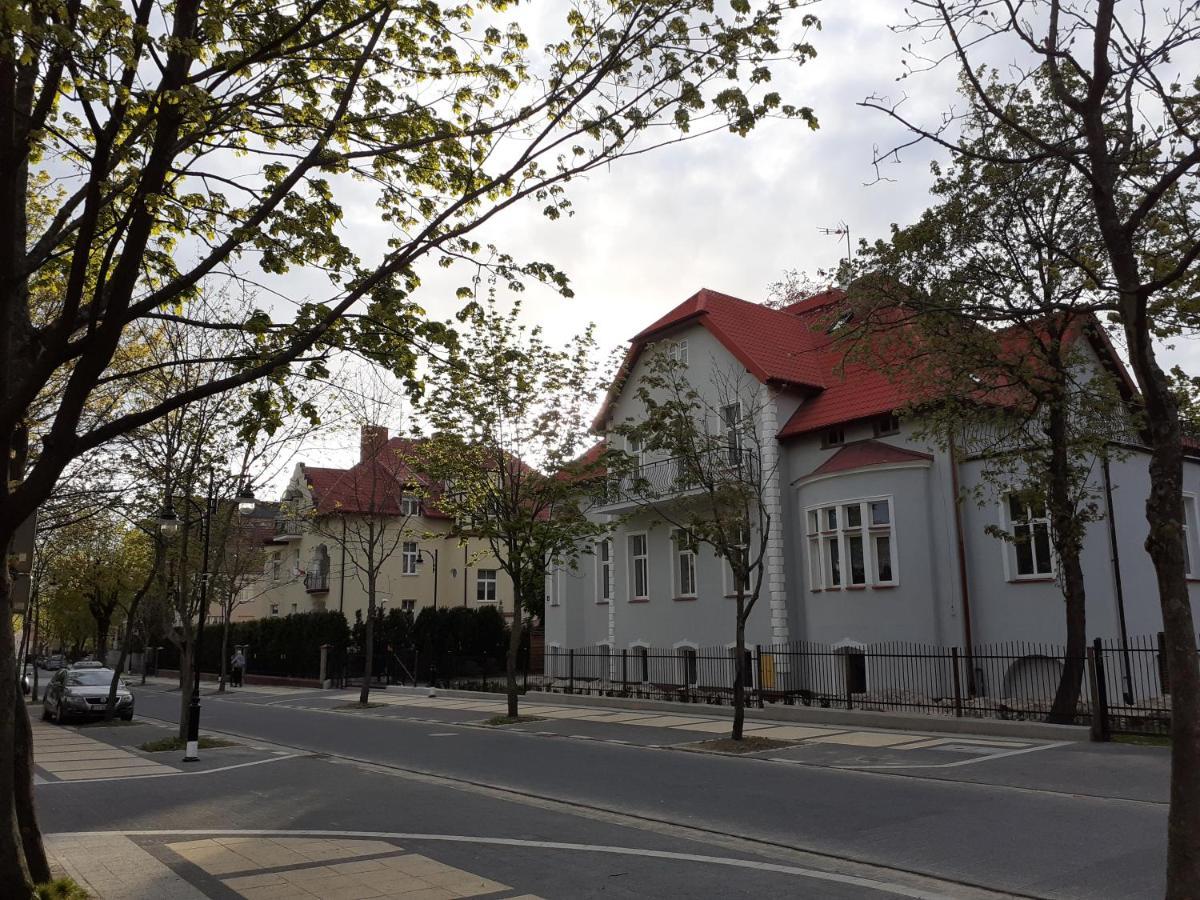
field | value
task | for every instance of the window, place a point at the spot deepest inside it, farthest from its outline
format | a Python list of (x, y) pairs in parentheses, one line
[(639, 568), (410, 505), (295, 608), (834, 437), (274, 610), (889, 424), (679, 352), (850, 545), (841, 321), (633, 446), (731, 424), (689, 666), (409, 556), (485, 586), (641, 663), (275, 565), (408, 606), (1189, 517), (742, 548), (1030, 530), (685, 563), (604, 570)]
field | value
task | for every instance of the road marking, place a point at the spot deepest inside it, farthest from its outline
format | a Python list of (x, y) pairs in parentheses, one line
[(960, 762), (898, 890), (443, 734), (245, 765)]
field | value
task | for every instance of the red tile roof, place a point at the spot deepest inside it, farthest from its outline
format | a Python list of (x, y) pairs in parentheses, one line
[(863, 454), (793, 346), (373, 485)]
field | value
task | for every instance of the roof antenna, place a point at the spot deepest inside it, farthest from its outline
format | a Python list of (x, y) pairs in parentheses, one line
[(842, 229)]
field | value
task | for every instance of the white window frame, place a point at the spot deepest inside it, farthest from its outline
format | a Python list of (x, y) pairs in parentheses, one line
[(604, 570), (635, 448), (1011, 565), (633, 562), (410, 558), (678, 351), (728, 583), (410, 505), (487, 581), (408, 606), (680, 648), (274, 610), (731, 428), (825, 537), (641, 661), (1189, 531), (683, 547)]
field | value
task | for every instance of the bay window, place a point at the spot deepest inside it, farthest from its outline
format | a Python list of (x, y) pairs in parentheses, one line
[(851, 545)]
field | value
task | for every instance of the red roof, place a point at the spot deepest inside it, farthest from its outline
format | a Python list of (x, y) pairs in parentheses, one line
[(794, 346), (373, 485), (863, 454)]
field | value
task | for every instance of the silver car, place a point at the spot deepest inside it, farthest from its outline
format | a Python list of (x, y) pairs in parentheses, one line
[(83, 694)]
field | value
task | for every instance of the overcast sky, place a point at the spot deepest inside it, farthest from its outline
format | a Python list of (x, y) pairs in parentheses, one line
[(724, 212)]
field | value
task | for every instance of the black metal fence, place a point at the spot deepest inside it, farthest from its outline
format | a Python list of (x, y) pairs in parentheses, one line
[(1122, 684)]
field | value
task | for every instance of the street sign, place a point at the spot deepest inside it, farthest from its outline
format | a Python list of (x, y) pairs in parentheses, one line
[(20, 563)]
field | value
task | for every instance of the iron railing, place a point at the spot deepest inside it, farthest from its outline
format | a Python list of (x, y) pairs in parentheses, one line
[(288, 526), (316, 582)]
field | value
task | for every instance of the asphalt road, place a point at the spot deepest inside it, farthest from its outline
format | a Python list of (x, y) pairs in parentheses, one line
[(1034, 834)]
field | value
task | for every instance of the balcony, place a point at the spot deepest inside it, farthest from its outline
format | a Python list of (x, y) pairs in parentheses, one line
[(288, 528), (316, 582), (676, 477)]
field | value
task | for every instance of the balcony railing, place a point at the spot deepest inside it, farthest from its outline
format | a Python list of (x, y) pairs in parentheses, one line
[(678, 475), (287, 527), (316, 582)]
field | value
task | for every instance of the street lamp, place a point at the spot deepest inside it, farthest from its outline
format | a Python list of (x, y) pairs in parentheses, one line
[(432, 554), (245, 500), (168, 522)]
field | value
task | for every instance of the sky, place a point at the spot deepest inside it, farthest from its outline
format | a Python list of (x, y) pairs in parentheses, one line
[(724, 212)]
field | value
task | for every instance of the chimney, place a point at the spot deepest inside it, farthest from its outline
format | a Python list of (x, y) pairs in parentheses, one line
[(371, 440)]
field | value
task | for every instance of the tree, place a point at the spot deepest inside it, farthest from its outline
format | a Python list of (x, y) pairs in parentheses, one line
[(713, 480), (153, 151), (996, 323), (1095, 89), (509, 414), (366, 513)]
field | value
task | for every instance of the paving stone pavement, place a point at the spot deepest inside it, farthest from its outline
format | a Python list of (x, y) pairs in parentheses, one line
[(67, 755), (116, 867)]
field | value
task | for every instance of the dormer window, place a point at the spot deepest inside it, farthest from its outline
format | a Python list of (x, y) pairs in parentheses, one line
[(834, 437), (841, 321), (889, 424)]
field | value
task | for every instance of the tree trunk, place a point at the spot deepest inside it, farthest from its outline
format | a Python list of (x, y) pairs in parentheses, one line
[(225, 612), (510, 656), (1067, 534), (1164, 512), (31, 834), (14, 872), (739, 668), (364, 694)]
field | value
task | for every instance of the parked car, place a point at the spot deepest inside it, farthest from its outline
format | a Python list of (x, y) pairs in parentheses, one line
[(54, 662), (83, 693), (86, 664)]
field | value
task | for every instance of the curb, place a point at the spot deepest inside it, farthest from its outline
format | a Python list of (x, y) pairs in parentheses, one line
[(803, 715)]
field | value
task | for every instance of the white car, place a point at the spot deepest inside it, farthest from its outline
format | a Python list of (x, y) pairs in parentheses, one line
[(83, 694)]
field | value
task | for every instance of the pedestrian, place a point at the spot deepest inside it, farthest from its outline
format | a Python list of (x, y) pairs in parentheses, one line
[(239, 666)]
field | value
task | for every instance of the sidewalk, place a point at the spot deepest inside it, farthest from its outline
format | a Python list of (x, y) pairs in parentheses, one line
[(113, 866)]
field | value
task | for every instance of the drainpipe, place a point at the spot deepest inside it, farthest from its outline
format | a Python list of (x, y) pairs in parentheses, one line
[(465, 555), (342, 577), (964, 588), (1118, 587)]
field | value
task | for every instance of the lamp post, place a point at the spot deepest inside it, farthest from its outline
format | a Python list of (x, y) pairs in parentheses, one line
[(169, 523), (432, 554)]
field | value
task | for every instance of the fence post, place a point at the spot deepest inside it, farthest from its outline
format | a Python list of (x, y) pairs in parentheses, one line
[(324, 665), (624, 670), (1095, 662), (957, 683), (758, 673), (1164, 676), (571, 671)]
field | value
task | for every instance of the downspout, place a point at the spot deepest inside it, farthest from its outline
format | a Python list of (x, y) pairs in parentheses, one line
[(963, 584), (1118, 587), (464, 575), (342, 576)]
